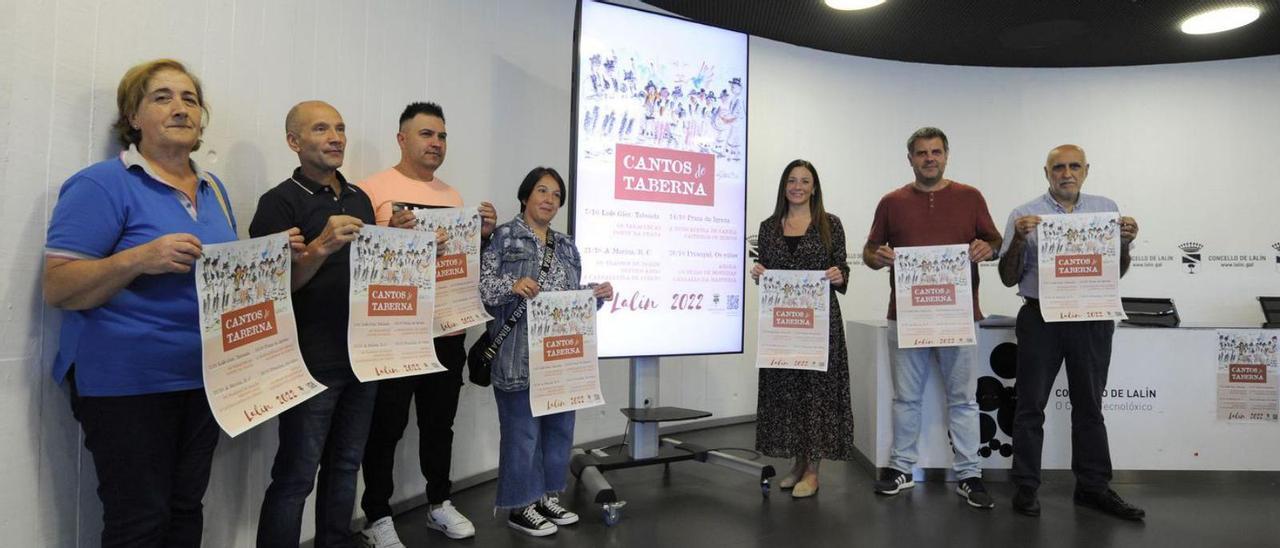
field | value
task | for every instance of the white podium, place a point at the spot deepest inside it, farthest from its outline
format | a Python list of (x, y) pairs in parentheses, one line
[(1160, 405)]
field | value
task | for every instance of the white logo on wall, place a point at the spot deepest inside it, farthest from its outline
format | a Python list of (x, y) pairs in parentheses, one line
[(1191, 256)]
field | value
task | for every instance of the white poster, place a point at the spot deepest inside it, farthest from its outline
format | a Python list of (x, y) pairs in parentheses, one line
[(564, 372), (934, 295), (1248, 360), (457, 294), (660, 194), (393, 279), (795, 320), (253, 369), (1079, 267)]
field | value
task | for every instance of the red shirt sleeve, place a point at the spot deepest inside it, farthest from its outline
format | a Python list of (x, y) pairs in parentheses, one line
[(879, 234)]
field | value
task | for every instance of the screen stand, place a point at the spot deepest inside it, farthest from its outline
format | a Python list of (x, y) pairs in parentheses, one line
[(644, 447)]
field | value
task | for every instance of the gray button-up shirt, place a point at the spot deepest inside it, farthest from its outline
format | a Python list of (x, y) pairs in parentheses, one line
[(1029, 280)]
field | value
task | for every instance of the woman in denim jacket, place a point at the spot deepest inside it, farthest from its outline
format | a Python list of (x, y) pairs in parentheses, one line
[(533, 457)]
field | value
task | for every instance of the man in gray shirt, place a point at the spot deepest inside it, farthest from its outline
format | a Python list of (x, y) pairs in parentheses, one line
[(1042, 347)]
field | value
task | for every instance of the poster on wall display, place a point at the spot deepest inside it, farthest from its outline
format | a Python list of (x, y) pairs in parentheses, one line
[(253, 369), (1248, 360), (934, 296), (564, 371), (457, 293), (794, 321), (660, 179), (1079, 267), (393, 280)]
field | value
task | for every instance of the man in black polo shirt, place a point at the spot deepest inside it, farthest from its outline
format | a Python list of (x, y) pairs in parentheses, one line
[(329, 430)]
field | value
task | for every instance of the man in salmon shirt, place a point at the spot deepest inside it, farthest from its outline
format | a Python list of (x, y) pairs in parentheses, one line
[(932, 210), (413, 183)]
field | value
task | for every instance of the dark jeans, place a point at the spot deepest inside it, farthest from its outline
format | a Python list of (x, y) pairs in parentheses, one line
[(1042, 347), (437, 404), (327, 432), (152, 453)]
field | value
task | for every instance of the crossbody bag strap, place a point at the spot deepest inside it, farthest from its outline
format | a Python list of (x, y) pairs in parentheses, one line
[(222, 200), (520, 308)]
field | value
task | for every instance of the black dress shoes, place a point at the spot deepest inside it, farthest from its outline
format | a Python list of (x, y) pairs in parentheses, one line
[(1109, 502), (1026, 503)]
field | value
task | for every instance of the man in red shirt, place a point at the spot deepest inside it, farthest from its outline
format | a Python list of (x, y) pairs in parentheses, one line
[(932, 210)]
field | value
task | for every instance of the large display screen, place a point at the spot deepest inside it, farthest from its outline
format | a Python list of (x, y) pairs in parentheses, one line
[(659, 190)]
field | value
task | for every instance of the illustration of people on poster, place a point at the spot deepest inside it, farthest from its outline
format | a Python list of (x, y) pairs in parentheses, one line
[(795, 318), (564, 372), (457, 295), (393, 280), (661, 178), (1080, 267), (253, 369), (934, 296), (1248, 361)]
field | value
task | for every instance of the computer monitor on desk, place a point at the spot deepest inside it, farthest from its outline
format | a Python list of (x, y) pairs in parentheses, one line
[(1150, 312), (1270, 312)]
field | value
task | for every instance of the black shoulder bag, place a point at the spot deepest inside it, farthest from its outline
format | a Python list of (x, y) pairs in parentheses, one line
[(480, 356)]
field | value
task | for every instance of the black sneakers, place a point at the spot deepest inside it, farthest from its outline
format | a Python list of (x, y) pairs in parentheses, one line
[(975, 493), (527, 520), (894, 482), (1111, 503), (550, 508), (1025, 502)]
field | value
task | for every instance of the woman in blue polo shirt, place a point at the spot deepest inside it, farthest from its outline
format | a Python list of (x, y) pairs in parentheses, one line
[(122, 244)]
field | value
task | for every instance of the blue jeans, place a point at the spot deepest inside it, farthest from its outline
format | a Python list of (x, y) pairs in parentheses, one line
[(533, 454), (960, 383), (326, 432)]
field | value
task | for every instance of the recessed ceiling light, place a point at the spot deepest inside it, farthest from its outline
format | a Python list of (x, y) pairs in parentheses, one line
[(848, 5), (1220, 20)]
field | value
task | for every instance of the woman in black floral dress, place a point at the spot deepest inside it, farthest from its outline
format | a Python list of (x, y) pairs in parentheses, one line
[(805, 415)]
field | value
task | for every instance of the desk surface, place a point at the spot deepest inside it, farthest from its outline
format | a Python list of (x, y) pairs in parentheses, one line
[(1005, 322)]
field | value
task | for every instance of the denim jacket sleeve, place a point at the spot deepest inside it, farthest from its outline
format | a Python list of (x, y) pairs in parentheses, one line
[(511, 255), (495, 283)]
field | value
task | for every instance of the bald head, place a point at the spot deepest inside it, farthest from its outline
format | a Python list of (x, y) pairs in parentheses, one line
[(1066, 170), (301, 112), (315, 131), (1064, 148)]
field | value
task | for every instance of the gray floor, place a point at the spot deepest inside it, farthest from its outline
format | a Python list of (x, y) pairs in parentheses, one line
[(699, 505)]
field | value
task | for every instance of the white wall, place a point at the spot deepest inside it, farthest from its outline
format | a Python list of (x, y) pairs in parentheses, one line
[(1185, 149), (1178, 137)]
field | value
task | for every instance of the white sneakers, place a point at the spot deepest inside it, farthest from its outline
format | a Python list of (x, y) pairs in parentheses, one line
[(446, 519), (381, 534), (450, 521)]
